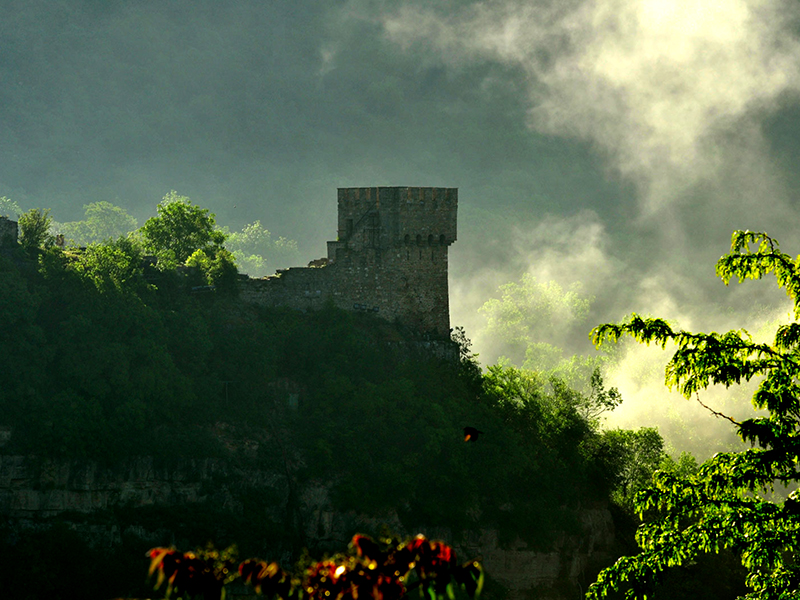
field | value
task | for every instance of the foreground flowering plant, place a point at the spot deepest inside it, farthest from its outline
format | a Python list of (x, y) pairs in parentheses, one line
[(384, 571), (201, 574)]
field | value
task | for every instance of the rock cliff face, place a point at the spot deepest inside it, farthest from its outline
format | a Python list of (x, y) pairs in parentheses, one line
[(33, 490)]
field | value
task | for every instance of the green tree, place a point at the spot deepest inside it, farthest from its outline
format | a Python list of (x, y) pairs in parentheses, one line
[(9, 208), (103, 221), (727, 504), (535, 320), (179, 229), (599, 400), (637, 455), (256, 252), (218, 268), (34, 229), (113, 265)]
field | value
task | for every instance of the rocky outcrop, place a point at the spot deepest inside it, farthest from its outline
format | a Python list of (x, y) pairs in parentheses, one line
[(33, 490)]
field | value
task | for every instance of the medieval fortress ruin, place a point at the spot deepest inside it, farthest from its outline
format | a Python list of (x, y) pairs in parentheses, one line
[(389, 258)]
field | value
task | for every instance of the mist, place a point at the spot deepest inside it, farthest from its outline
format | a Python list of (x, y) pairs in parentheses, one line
[(615, 144)]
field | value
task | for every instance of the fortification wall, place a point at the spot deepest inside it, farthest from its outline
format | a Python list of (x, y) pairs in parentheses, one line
[(8, 232), (390, 258), (300, 288), (405, 284)]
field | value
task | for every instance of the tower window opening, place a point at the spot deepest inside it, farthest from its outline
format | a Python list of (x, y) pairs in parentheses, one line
[(430, 240), (407, 239), (419, 240), (441, 239)]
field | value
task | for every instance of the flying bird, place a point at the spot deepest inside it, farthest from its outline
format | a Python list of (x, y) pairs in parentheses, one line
[(471, 434)]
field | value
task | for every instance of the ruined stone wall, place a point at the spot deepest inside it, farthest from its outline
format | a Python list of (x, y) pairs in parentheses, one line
[(301, 288), (390, 259), (8, 232), (408, 284)]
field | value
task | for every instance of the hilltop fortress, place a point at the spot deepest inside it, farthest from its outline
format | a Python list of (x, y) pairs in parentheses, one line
[(390, 258)]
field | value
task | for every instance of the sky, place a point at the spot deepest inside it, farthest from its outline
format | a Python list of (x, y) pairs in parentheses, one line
[(615, 143)]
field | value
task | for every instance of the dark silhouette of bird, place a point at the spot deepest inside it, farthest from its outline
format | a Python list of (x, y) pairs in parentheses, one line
[(471, 434)]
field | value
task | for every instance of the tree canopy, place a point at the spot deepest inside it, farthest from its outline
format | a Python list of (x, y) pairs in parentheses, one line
[(728, 504), (257, 254), (34, 228), (179, 229), (533, 323), (103, 221)]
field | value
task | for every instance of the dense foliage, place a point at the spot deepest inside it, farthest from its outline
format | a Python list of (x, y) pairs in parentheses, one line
[(110, 357), (179, 229), (532, 323), (34, 229), (728, 504)]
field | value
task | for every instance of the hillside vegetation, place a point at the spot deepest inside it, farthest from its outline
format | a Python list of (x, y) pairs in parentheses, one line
[(110, 356)]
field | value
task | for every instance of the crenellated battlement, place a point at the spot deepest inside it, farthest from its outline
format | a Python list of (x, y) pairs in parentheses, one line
[(403, 215)]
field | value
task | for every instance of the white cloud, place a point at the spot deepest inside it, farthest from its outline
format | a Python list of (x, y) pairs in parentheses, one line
[(674, 94), (655, 84), (564, 250)]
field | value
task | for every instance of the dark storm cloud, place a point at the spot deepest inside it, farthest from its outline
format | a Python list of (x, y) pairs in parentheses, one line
[(155, 95), (265, 105)]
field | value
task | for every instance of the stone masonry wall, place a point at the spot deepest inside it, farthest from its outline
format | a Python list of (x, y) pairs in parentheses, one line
[(8, 232), (402, 211), (390, 259)]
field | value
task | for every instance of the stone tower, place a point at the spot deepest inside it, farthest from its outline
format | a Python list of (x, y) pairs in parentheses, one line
[(393, 242), (390, 258)]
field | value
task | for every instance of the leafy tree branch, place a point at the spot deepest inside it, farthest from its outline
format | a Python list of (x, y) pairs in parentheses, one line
[(724, 506)]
